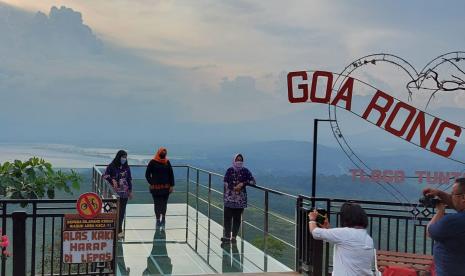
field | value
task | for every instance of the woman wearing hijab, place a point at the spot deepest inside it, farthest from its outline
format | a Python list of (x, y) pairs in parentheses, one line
[(159, 175), (236, 179), (118, 174)]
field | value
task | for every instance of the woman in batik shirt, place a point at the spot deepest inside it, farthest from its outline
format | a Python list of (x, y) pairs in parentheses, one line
[(236, 179), (118, 174)]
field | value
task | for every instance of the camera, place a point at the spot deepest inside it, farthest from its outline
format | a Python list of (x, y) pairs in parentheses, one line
[(322, 215), (429, 201)]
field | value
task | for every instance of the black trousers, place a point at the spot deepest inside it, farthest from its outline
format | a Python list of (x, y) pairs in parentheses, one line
[(122, 212), (232, 221), (160, 203)]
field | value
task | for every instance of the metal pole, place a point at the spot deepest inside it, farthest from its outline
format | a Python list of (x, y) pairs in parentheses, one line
[(197, 209), (19, 243), (187, 203), (315, 144), (265, 232), (209, 214)]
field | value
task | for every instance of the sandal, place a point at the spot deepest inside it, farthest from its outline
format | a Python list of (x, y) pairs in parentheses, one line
[(225, 240)]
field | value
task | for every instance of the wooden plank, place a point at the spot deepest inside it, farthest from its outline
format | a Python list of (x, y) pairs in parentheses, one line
[(259, 274), (418, 262), (403, 260), (403, 254)]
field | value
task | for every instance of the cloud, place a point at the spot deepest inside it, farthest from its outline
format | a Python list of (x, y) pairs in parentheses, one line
[(60, 82), (165, 70)]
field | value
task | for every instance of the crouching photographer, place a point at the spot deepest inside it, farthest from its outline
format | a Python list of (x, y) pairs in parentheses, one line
[(448, 230), (353, 248)]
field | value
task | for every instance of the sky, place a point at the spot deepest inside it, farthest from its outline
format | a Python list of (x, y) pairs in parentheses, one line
[(152, 72)]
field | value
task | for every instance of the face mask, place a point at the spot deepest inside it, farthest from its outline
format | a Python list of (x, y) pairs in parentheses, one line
[(162, 155), (238, 164), (123, 161)]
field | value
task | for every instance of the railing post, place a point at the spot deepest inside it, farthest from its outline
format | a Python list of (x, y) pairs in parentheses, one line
[(187, 202), (298, 235), (34, 231), (209, 213), (316, 253), (4, 212), (19, 243), (197, 209), (328, 212), (94, 174), (265, 232)]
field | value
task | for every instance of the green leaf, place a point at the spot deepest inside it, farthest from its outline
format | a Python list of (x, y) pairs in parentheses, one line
[(18, 163), (75, 184), (32, 195), (16, 195), (51, 193), (35, 178)]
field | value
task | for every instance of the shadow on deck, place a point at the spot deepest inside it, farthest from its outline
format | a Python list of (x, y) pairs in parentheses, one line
[(181, 250)]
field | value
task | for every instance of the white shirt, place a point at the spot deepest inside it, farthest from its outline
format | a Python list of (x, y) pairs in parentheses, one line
[(353, 250)]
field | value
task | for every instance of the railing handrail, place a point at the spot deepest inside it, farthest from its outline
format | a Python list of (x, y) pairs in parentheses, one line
[(196, 182), (273, 191), (17, 201), (106, 184), (341, 200)]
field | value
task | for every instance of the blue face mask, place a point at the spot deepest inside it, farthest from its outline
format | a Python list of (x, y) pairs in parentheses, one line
[(123, 161)]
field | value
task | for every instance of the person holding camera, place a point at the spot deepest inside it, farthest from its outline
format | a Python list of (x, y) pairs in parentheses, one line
[(353, 247), (448, 230)]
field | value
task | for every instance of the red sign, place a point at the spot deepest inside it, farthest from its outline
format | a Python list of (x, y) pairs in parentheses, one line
[(89, 205), (399, 118)]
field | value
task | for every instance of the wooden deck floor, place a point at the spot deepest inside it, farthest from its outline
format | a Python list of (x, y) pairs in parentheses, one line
[(259, 274)]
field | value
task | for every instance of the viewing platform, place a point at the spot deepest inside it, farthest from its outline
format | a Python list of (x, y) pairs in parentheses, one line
[(273, 238), (181, 250)]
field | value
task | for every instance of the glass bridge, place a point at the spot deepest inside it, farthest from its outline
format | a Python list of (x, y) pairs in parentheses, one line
[(190, 243), (180, 250)]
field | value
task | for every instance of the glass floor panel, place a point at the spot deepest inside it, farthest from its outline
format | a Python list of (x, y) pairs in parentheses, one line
[(185, 247)]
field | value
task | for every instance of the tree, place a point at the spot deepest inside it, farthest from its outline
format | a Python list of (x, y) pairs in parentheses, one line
[(34, 178)]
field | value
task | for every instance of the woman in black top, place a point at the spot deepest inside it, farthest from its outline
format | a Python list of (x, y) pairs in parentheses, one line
[(159, 175)]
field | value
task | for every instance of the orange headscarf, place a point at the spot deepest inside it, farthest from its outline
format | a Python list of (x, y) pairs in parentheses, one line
[(157, 156)]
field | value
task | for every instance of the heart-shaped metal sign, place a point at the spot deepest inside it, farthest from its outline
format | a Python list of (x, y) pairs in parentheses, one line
[(403, 116), (438, 78)]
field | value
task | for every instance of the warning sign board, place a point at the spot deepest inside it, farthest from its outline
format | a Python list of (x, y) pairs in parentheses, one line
[(88, 240), (89, 205), (88, 246), (102, 221)]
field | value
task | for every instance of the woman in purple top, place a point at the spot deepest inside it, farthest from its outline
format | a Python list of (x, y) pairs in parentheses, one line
[(236, 179), (118, 174)]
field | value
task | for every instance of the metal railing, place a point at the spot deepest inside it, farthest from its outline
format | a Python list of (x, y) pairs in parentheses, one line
[(203, 191), (258, 213), (393, 226), (36, 228)]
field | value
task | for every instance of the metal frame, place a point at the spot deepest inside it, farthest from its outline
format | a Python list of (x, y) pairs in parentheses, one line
[(403, 233), (201, 180), (39, 257)]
